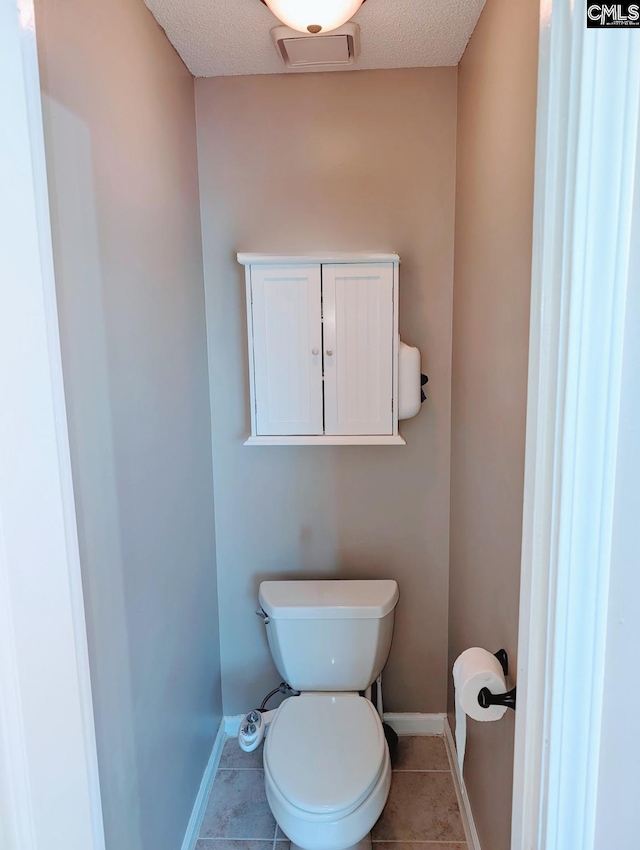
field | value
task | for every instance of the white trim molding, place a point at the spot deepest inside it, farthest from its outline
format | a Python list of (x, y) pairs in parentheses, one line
[(49, 785), (408, 723), (470, 831), (403, 723), (586, 148), (357, 440), (202, 797), (232, 724), (304, 259)]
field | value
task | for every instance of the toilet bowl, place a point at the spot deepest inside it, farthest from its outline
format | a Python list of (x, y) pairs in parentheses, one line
[(327, 769), (326, 761)]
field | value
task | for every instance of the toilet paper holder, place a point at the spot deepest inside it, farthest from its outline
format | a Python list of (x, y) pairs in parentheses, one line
[(487, 699)]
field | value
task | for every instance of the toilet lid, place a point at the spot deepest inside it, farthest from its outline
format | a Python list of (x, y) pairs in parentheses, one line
[(325, 752)]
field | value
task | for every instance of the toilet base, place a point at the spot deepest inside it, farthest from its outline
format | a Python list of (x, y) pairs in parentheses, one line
[(364, 844)]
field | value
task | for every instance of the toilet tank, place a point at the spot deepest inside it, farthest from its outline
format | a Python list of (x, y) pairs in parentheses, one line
[(329, 635)]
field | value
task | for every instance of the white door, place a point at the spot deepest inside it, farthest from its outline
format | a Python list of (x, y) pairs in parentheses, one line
[(287, 349), (358, 348), (49, 785)]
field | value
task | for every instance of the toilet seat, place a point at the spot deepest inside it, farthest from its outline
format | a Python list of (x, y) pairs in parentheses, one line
[(324, 753)]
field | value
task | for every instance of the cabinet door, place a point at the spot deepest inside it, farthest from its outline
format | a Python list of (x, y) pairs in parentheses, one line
[(358, 348), (287, 349)]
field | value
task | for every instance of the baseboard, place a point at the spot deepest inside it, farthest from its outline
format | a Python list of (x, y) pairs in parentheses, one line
[(401, 723), (416, 724), (463, 798), (193, 827), (232, 724)]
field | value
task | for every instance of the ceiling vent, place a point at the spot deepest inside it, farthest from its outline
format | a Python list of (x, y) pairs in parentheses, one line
[(306, 52)]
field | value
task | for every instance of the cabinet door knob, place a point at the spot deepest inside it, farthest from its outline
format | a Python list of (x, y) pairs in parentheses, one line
[(315, 351), (329, 352)]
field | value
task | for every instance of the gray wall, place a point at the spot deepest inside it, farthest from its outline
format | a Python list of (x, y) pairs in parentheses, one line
[(121, 152), (312, 162), (494, 206)]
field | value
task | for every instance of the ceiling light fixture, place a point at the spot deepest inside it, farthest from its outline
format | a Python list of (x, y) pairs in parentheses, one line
[(314, 16)]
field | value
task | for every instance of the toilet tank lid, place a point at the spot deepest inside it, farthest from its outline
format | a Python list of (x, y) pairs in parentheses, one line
[(328, 600)]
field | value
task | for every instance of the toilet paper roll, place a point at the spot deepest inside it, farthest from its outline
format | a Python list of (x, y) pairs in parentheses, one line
[(473, 670)]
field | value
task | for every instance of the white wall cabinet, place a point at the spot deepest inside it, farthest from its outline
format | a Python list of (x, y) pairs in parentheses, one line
[(323, 349)]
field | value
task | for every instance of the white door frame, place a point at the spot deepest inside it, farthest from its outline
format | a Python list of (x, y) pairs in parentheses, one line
[(49, 788), (586, 155)]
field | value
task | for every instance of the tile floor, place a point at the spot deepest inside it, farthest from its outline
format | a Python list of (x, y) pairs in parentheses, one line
[(421, 813)]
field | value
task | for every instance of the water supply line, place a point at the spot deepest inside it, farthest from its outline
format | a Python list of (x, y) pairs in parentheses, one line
[(283, 688)]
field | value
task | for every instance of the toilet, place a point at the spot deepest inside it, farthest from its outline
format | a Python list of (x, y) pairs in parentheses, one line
[(326, 761)]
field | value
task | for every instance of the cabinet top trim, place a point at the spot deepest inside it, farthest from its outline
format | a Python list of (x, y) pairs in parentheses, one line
[(301, 259), (330, 440)]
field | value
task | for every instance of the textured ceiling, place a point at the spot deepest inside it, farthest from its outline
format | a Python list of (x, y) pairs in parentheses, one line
[(217, 38)]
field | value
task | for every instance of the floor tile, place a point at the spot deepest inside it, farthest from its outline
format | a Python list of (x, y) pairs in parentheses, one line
[(421, 753), (280, 836), (421, 807), (235, 758), (238, 807), (417, 845), (230, 844)]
